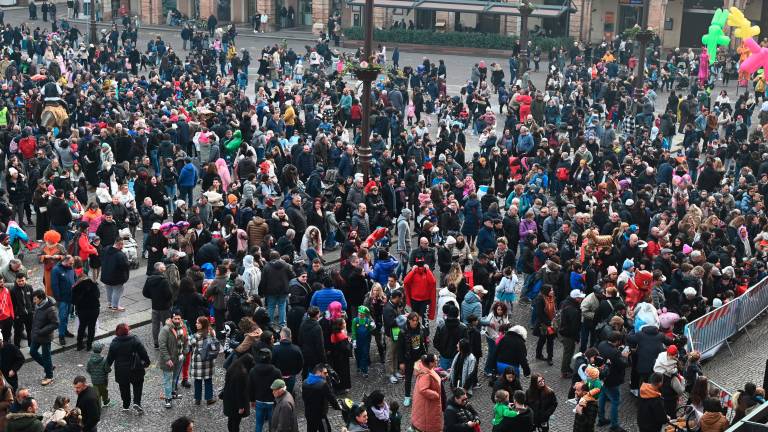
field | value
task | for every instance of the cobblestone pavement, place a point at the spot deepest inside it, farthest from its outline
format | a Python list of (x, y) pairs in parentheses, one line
[(730, 372)]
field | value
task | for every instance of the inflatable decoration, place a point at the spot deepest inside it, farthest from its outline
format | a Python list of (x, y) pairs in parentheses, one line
[(715, 36), (645, 315), (758, 59), (743, 26)]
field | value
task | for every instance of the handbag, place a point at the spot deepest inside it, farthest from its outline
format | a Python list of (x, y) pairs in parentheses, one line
[(136, 362)]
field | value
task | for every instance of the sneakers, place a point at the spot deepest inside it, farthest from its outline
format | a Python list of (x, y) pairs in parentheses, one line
[(108, 404), (393, 379), (210, 402), (168, 404), (407, 401), (139, 410), (46, 381), (126, 409), (175, 395)]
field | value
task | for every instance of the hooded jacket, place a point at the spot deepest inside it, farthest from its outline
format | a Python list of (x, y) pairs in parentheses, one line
[(382, 269), (44, 321), (257, 228), (317, 395), (251, 275), (472, 305), (115, 269), (404, 232), (511, 349), (448, 335), (649, 342), (427, 411), (713, 422), (420, 285), (651, 415), (275, 278)]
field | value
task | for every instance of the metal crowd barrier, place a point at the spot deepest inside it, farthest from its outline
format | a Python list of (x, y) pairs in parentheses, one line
[(708, 333)]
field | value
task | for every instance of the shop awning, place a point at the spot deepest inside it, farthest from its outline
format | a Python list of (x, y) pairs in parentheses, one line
[(470, 6)]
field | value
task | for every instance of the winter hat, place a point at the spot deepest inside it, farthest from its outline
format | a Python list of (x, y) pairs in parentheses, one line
[(690, 292), (628, 264), (612, 269), (98, 347), (687, 249), (672, 351), (716, 303), (363, 310)]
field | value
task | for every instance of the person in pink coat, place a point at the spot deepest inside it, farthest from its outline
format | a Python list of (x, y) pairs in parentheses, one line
[(223, 170), (703, 67), (427, 410)]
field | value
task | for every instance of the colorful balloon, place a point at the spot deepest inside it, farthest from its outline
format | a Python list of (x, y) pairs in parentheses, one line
[(715, 36), (743, 26), (758, 59)]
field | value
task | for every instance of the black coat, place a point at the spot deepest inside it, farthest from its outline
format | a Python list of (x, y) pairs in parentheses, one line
[(88, 402), (260, 379), (651, 415), (209, 253), (317, 395), (115, 268), (455, 417), (570, 319), (85, 296), (44, 321), (275, 278), (157, 289), (512, 350), (312, 343), (192, 306), (11, 359), (648, 344), (543, 407), (236, 390), (617, 364), (288, 358), (121, 353), (522, 423)]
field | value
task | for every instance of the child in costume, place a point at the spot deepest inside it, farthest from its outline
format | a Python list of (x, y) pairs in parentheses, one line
[(594, 386), (362, 328)]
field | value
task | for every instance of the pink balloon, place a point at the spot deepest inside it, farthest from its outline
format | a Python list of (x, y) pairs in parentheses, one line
[(758, 59)]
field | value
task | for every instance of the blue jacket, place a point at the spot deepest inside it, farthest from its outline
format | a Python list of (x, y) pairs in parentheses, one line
[(382, 269), (62, 279), (346, 166), (188, 176), (486, 240), (471, 306), (525, 144), (326, 296)]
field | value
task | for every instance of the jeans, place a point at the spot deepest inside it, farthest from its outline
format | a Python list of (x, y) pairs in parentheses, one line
[(158, 320), (170, 192), (586, 333), (363, 352), (171, 380), (185, 192), (263, 414), (63, 317), (281, 301), (208, 388), (43, 359), (155, 161), (491, 358), (614, 395), (114, 292)]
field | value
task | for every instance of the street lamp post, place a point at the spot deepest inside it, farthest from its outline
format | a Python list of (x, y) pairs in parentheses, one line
[(366, 73), (525, 11), (92, 25), (643, 36)]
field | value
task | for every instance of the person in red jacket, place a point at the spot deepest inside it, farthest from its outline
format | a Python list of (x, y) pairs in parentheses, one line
[(421, 289), (84, 247)]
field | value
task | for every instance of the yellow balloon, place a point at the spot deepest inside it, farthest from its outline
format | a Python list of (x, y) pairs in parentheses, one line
[(743, 26)]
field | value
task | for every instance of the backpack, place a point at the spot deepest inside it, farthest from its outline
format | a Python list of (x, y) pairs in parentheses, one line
[(210, 349), (73, 248)]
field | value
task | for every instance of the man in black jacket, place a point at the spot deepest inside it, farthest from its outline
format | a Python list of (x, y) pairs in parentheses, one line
[(391, 311), (584, 420), (318, 395), (651, 415), (157, 288), (260, 379), (312, 341), (288, 358), (616, 359), (23, 308), (570, 327), (58, 214), (115, 271), (448, 335), (11, 360), (459, 415), (44, 321), (88, 402), (275, 280)]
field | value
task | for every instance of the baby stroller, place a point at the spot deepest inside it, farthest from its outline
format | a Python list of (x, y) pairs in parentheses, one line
[(130, 248), (686, 420)]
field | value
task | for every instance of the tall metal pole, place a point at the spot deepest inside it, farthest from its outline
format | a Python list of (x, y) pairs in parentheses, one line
[(643, 37), (525, 11), (364, 149), (92, 25)]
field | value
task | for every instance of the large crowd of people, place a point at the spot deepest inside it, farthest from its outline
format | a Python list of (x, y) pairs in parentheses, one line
[(589, 208)]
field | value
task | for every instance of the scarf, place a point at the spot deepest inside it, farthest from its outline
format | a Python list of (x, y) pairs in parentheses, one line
[(381, 413)]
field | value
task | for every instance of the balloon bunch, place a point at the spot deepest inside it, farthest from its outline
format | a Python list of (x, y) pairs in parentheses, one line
[(715, 36)]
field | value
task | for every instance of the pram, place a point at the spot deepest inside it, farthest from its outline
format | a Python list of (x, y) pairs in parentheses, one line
[(130, 248)]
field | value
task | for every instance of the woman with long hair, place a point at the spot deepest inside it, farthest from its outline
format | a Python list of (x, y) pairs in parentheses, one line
[(545, 311), (699, 393), (412, 343), (340, 349), (311, 245), (495, 320), (463, 367), (542, 401), (202, 367), (235, 394)]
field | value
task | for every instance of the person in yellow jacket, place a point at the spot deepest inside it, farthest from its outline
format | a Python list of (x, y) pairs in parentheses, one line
[(289, 117)]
